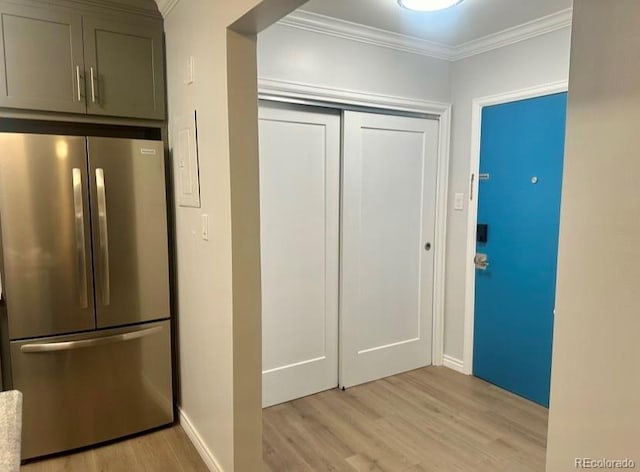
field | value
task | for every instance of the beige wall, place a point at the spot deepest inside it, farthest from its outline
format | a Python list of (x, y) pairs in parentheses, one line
[(322, 60), (537, 61), (595, 385), (218, 280)]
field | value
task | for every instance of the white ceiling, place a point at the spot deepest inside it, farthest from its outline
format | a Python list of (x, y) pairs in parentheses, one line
[(470, 20)]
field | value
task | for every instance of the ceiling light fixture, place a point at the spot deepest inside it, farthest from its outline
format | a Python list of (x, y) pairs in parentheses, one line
[(428, 5)]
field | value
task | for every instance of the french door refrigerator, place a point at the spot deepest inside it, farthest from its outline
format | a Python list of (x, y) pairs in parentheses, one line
[(86, 287)]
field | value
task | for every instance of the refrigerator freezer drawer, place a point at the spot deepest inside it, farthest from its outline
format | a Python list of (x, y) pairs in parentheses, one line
[(84, 389)]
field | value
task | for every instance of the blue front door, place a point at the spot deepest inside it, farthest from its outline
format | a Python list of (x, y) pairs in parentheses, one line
[(521, 155)]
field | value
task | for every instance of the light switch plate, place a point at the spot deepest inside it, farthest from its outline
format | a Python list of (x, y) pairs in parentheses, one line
[(205, 227), (189, 71), (458, 203)]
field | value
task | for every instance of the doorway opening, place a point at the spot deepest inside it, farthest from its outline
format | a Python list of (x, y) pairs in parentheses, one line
[(289, 71), (518, 217)]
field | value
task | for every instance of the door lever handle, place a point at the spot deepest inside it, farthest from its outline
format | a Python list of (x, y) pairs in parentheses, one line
[(481, 261)]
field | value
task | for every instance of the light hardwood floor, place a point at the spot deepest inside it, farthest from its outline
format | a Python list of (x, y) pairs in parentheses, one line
[(165, 450), (431, 419)]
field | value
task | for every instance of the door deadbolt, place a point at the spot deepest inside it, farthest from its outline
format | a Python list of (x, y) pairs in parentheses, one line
[(427, 247)]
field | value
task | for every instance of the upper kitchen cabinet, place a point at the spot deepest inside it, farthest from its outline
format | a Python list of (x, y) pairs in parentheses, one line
[(41, 54), (78, 56), (125, 67)]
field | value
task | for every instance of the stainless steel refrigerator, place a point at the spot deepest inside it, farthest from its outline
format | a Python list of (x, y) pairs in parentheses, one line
[(85, 284)]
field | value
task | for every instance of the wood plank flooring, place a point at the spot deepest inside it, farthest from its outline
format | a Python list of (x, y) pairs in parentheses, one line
[(431, 419), (427, 420), (165, 450)]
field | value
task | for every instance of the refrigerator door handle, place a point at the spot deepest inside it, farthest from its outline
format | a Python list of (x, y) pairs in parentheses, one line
[(78, 212), (85, 343), (103, 236)]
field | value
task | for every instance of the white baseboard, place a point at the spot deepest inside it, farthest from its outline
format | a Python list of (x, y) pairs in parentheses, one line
[(453, 363), (206, 454)]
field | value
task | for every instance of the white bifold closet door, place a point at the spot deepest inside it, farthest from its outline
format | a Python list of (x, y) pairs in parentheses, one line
[(300, 214), (388, 228)]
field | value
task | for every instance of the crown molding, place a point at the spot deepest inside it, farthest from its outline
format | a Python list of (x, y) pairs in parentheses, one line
[(166, 6), (531, 29), (275, 89), (322, 24)]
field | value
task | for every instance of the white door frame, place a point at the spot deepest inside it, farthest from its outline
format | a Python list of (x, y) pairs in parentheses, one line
[(474, 171), (295, 92)]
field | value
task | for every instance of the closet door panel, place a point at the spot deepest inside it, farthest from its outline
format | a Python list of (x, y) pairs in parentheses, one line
[(299, 192), (388, 227)]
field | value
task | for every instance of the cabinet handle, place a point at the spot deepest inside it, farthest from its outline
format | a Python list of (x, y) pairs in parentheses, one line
[(93, 86), (78, 83)]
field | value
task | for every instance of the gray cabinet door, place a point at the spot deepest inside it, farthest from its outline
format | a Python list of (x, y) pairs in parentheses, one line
[(41, 57), (124, 67), (129, 218)]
